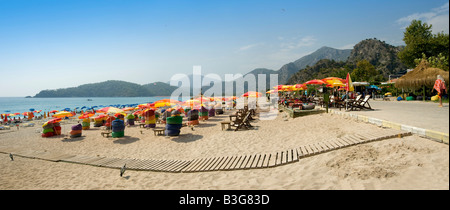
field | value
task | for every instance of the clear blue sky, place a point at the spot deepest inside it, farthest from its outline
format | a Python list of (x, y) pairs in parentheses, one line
[(50, 44)]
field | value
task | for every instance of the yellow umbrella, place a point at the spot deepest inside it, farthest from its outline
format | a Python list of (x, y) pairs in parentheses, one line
[(112, 110), (63, 114), (128, 109), (164, 102), (349, 85), (335, 83), (191, 102), (252, 94)]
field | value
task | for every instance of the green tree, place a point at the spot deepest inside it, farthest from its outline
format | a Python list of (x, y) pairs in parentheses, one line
[(420, 41), (364, 71)]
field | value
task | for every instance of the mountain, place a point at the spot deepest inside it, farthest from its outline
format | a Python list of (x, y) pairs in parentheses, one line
[(322, 69), (287, 70), (110, 88), (380, 54), (322, 63), (322, 53)]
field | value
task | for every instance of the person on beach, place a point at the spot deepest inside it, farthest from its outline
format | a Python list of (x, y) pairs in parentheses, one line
[(439, 86)]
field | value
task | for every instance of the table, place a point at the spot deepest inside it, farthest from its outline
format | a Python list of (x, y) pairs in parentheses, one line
[(158, 131), (226, 123)]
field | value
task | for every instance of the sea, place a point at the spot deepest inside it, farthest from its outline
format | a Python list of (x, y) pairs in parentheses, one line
[(10, 105)]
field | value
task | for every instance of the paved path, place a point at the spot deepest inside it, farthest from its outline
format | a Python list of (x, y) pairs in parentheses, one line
[(420, 114), (240, 162)]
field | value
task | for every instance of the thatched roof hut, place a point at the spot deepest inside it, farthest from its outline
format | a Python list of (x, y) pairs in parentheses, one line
[(422, 75)]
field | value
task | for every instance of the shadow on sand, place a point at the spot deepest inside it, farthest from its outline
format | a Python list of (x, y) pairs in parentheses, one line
[(68, 139), (125, 140), (186, 138)]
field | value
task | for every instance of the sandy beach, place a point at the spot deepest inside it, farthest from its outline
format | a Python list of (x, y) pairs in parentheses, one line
[(411, 162)]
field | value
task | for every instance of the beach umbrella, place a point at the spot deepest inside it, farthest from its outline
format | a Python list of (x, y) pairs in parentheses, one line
[(349, 84), (126, 109), (231, 98), (333, 78), (63, 114), (203, 99), (137, 112), (301, 86), (101, 116), (272, 91), (84, 116), (282, 87), (54, 120), (334, 83), (314, 82), (374, 87), (191, 102), (143, 106), (53, 111), (252, 94), (112, 110), (165, 102)]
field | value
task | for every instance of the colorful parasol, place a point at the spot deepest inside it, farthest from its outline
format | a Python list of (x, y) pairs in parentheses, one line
[(301, 87), (112, 110), (314, 82), (63, 114), (252, 94), (231, 98), (164, 102), (349, 84)]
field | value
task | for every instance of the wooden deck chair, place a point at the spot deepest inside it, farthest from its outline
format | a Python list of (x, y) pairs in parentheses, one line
[(240, 123), (364, 104), (352, 104)]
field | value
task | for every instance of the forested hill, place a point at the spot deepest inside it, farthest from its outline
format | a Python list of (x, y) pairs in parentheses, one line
[(378, 53), (111, 88)]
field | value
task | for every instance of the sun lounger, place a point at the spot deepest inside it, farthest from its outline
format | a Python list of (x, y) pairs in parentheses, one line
[(363, 104), (240, 123), (351, 104)]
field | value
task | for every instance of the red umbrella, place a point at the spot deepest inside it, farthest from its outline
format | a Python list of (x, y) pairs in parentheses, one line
[(111, 110), (231, 98), (315, 82), (101, 116), (53, 111), (84, 116), (298, 86), (349, 84), (252, 94), (333, 78), (54, 120)]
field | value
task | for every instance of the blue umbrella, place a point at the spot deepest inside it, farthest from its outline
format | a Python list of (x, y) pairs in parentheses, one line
[(374, 87)]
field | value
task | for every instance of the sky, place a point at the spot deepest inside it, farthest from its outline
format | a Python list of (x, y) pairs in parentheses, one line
[(51, 44)]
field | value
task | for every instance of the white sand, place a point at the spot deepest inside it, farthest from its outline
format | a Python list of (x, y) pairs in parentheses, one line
[(408, 163)]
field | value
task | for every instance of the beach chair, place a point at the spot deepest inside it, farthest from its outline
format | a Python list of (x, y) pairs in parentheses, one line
[(363, 104), (240, 123), (352, 104)]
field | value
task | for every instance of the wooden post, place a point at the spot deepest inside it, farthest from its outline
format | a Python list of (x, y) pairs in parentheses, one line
[(423, 92)]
